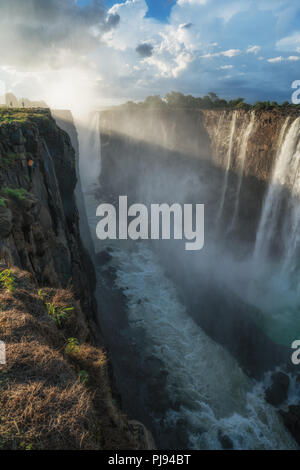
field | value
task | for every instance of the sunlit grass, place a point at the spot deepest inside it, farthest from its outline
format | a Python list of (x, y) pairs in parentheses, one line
[(22, 115)]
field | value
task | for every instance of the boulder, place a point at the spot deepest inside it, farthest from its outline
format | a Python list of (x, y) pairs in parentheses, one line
[(277, 393), (291, 420), (225, 441), (103, 257)]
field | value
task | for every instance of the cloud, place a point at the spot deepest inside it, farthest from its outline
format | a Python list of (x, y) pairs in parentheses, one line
[(293, 58), (276, 60), (125, 54), (289, 43), (253, 50), (228, 53), (186, 25), (231, 53), (192, 2), (112, 21), (36, 33), (144, 50)]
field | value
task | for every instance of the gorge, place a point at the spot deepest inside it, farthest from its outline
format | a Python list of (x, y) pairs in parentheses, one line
[(233, 308), (198, 342)]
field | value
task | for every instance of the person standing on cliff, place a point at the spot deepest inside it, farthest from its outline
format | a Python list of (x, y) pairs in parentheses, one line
[(30, 165)]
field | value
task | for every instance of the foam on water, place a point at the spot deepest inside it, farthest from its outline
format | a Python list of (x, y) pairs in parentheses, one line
[(215, 395)]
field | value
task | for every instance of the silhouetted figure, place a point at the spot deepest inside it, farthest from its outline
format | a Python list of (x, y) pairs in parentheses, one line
[(30, 165)]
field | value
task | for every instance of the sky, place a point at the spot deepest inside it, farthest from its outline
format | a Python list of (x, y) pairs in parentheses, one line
[(108, 52)]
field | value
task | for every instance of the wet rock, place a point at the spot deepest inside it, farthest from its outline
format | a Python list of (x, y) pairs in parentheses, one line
[(291, 419), (277, 393), (17, 137), (5, 222), (225, 441), (29, 202), (103, 257)]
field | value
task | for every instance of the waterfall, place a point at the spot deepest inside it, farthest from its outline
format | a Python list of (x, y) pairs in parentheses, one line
[(291, 236), (242, 160), (228, 164), (90, 148), (285, 177)]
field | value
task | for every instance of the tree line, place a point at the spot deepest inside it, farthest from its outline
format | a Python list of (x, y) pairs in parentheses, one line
[(210, 101)]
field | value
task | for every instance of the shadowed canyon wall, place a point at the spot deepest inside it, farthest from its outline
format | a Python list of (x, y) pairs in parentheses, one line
[(41, 251)]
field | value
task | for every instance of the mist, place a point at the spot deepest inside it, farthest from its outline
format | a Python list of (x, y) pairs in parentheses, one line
[(245, 307), (194, 337)]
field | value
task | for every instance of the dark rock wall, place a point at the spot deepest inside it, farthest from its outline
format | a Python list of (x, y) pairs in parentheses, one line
[(43, 236), (198, 140)]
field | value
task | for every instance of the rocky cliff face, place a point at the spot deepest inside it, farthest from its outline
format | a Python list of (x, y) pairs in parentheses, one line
[(64, 120), (49, 269), (263, 142), (205, 133), (233, 147), (43, 235), (224, 159)]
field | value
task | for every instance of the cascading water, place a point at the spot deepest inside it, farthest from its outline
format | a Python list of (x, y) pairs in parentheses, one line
[(242, 159), (228, 164), (291, 232), (285, 178), (275, 259), (160, 330), (89, 149)]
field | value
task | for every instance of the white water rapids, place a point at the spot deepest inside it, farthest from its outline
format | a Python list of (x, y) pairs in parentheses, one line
[(216, 398)]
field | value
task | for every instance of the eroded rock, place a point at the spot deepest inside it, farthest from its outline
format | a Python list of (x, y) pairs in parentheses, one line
[(5, 222), (277, 393)]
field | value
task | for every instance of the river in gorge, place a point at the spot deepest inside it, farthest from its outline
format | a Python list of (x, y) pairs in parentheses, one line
[(171, 370)]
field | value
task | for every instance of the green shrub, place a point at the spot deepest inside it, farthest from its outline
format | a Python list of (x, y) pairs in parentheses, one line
[(10, 159), (18, 194), (7, 280), (2, 202), (73, 345), (13, 155), (58, 314), (83, 376)]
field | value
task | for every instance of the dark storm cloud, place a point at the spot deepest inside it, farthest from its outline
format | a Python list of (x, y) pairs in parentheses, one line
[(37, 32), (113, 20), (187, 25), (144, 50)]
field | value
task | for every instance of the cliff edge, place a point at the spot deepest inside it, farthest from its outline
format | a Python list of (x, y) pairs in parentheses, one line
[(55, 385)]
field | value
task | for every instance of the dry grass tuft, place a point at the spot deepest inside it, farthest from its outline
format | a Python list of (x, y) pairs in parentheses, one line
[(51, 398)]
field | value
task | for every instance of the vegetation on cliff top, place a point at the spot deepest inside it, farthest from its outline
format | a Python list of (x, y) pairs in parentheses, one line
[(22, 115), (211, 101)]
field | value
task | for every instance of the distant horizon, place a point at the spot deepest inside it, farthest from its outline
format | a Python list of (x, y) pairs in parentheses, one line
[(141, 102)]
